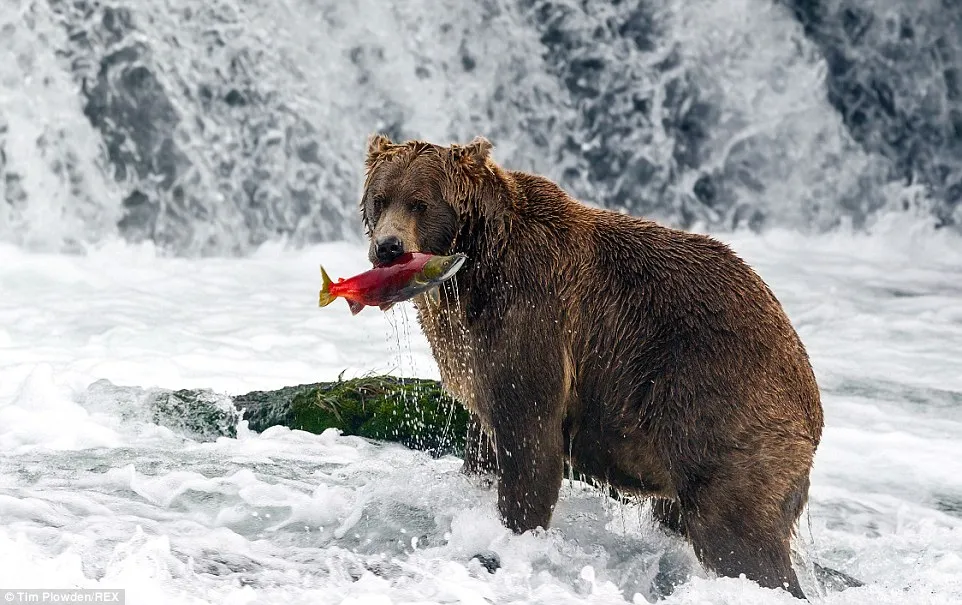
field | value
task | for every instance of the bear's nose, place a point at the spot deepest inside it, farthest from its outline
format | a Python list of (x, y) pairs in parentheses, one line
[(388, 249)]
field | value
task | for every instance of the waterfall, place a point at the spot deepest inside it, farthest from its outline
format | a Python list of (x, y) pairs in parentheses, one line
[(209, 128)]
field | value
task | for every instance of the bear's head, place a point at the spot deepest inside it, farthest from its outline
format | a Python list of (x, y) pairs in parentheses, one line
[(418, 196)]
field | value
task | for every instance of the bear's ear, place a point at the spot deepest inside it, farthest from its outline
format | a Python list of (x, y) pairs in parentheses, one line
[(474, 154), (377, 145), (479, 149)]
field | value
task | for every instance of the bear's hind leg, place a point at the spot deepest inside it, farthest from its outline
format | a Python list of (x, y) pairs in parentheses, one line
[(732, 534)]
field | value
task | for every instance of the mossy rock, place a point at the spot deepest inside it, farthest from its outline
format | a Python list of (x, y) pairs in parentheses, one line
[(412, 411)]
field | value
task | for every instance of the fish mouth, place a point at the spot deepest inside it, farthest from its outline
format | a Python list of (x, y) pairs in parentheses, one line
[(456, 261)]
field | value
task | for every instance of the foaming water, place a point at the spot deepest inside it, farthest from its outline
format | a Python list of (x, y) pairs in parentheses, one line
[(94, 491), (775, 149), (55, 184), (231, 124), (210, 129)]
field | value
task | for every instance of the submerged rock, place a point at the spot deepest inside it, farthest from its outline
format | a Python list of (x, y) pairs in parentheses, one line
[(489, 560), (200, 414), (833, 580)]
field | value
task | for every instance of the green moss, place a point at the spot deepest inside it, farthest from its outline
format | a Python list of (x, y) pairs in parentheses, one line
[(413, 412)]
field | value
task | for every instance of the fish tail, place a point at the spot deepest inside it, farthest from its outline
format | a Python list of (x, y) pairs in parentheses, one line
[(325, 297)]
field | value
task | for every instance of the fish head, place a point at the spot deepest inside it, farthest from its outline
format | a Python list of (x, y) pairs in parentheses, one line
[(441, 268)]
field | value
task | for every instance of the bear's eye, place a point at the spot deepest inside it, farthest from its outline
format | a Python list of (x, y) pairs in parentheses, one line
[(418, 206)]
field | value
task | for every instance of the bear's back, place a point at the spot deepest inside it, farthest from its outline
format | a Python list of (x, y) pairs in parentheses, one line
[(645, 300)]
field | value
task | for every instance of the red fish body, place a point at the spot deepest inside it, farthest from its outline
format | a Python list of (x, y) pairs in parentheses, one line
[(411, 274)]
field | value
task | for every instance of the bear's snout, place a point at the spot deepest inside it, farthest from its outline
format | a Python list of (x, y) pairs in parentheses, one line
[(387, 249)]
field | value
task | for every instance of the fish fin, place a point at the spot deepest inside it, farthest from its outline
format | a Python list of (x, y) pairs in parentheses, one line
[(325, 297), (356, 307), (385, 306), (434, 295)]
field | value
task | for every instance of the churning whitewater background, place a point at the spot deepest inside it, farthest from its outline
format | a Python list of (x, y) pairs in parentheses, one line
[(213, 127), (172, 172)]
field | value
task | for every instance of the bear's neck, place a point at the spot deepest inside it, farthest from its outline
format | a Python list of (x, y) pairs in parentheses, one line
[(483, 243), (485, 232)]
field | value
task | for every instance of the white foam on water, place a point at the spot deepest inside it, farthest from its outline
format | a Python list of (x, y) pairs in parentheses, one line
[(93, 496)]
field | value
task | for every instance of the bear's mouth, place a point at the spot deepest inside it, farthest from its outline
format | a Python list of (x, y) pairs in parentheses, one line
[(378, 264)]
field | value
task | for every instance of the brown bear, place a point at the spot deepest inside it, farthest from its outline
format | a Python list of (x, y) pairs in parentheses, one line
[(651, 359)]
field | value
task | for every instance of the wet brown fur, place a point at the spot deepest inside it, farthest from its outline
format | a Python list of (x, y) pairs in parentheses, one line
[(656, 358)]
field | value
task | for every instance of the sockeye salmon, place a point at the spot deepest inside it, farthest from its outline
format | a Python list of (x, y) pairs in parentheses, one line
[(410, 274)]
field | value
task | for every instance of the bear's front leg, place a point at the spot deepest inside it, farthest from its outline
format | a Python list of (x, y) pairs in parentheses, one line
[(527, 417)]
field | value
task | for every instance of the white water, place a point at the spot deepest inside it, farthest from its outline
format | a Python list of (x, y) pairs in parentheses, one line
[(319, 76), (93, 496)]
